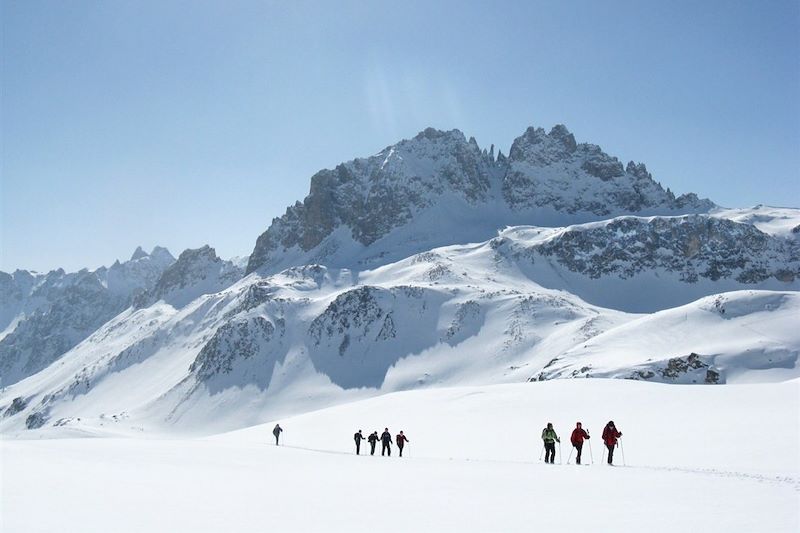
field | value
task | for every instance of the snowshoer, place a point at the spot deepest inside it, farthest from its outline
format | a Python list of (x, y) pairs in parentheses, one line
[(358, 437), (277, 432), (610, 436), (550, 438), (401, 441), (386, 441), (578, 435), (373, 440)]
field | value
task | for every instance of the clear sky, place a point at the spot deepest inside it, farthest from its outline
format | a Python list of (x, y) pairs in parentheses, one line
[(185, 123)]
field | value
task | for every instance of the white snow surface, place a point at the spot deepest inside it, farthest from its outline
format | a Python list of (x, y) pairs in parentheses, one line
[(772, 220), (696, 459), (745, 335)]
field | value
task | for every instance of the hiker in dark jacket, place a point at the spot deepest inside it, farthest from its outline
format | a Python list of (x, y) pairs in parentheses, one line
[(401, 441), (373, 440), (610, 436), (277, 432), (358, 437), (386, 441), (549, 437), (578, 435)]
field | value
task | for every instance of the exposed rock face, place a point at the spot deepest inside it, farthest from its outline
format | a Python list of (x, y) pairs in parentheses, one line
[(365, 331), (16, 406), (375, 195), (240, 339), (693, 246), (690, 369), (549, 170), (367, 199), (196, 272), (56, 311)]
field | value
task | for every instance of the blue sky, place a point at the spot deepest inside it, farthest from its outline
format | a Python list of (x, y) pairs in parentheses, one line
[(185, 123)]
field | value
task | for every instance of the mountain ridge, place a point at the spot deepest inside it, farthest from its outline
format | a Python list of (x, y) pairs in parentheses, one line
[(431, 263), (547, 179)]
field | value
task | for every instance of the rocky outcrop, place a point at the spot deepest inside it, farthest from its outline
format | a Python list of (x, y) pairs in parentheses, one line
[(365, 200), (552, 171), (687, 370), (196, 272), (236, 340), (372, 196), (693, 246)]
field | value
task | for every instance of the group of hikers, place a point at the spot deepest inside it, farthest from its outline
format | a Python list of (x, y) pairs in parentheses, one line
[(386, 442), (385, 438), (610, 438)]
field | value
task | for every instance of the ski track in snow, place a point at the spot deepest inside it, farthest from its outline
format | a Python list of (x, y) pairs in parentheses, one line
[(743, 476)]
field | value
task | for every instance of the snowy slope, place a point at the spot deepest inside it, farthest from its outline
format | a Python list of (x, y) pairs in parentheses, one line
[(347, 297), (471, 465), (733, 337), (45, 315), (782, 221), (501, 311)]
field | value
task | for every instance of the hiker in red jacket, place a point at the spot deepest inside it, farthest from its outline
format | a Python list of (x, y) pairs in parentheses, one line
[(578, 435), (610, 436), (401, 441)]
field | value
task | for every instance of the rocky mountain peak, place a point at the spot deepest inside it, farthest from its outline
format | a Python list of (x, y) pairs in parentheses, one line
[(639, 170), (138, 254), (196, 272), (540, 148), (438, 176), (432, 134)]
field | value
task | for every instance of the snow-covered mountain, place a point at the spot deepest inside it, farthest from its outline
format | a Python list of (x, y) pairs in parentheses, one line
[(436, 263), (196, 272), (440, 188), (506, 310), (45, 315)]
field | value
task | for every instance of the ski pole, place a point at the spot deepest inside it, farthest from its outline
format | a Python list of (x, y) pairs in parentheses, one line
[(591, 458), (541, 454), (560, 457), (622, 449), (570, 454)]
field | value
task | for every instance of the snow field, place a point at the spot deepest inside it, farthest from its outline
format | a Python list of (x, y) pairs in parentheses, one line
[(699, 458)]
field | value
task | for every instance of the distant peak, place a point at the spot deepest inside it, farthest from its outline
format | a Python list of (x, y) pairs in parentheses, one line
[(194, 254), (434, 134), (159, 252), (536, 145), (138, 254)]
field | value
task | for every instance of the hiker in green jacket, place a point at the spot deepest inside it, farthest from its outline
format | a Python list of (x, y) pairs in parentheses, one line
[(550, 438)]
